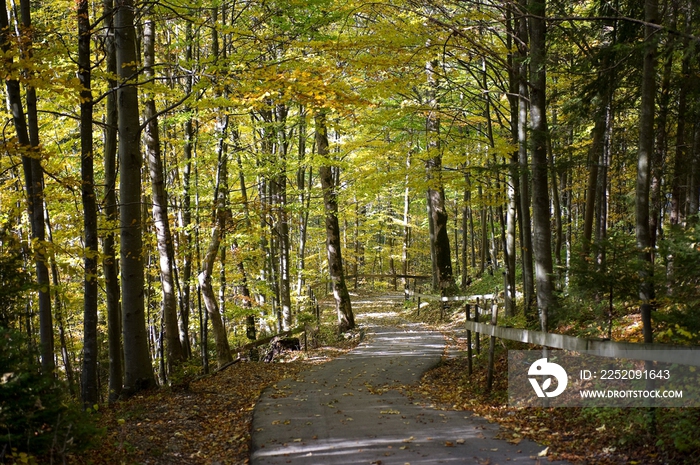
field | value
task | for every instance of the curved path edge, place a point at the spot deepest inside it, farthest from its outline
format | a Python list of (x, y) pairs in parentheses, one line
[(349, 411)]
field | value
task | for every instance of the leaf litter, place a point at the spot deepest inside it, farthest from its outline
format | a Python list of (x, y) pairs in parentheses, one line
[(206, 423)]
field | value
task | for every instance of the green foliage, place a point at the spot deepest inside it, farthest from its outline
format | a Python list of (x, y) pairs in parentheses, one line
[(14, 282), (486, 284), (609, 273), (678, 295), (675, 428), (36, 414), (683, 430)]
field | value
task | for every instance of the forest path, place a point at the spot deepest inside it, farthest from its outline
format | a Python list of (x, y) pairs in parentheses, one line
[(360, 409)]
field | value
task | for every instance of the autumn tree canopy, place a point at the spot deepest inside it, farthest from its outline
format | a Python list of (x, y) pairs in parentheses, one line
[(178, 177)]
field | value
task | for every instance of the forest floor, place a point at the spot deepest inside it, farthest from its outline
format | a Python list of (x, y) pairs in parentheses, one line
[(208, 420)]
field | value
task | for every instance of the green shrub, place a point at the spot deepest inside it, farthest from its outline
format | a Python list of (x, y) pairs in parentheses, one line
[(36, 413)]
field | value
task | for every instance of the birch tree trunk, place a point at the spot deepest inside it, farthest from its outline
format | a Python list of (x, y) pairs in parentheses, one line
[(164, 239)]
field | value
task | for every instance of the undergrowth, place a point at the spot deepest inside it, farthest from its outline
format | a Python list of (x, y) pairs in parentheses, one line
[(602, 436)]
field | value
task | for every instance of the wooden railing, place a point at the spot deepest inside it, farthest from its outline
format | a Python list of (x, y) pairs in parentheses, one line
[(685, 355)]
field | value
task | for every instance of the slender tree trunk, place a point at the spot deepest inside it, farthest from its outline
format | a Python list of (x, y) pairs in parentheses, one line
[(431, 239), (661, 141), (138, 371), (694, 179), (680, 162), (164, 238), (109, 262), (203, 315), (37, 218), (346, 319), (484, 233), (245, 290), (185, 302), (513, 182), (282, 217), (59, 310), (304, 197), (406, 226), (646, 147), (594, 156), (524, 216), (604, 185), (556, 205), (223, 284), (28, 139), (542, 235), (89, 382), (223, 350), (465, 234)]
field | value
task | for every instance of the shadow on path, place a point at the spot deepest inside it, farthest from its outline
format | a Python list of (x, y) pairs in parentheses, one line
[(346, 412)]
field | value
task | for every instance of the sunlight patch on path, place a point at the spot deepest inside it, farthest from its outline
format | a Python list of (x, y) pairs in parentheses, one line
[(360, 409)]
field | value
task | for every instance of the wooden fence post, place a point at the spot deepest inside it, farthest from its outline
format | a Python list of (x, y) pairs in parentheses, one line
[(492, 346), (469, 342), (443, 304), (476, 320)]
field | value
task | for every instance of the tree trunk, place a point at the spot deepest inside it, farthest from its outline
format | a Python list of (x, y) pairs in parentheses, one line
[(524, 216), (304, 198), (109, 262), (693, 179), (542, 235), (511, 221), (223, 351), (465, 234), (89, 383), (138, 371), (59, 312), (680, 162), (346, 319), (185, 301), (245, 290), (28, 138), (514, 184), (406, 226), (661, 139), (646, 147), (282, 217), (164, 240), (483, 250), (594, 157), (440, 238)]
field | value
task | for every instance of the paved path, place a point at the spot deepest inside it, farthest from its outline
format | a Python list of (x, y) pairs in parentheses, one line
[(345, 412)]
